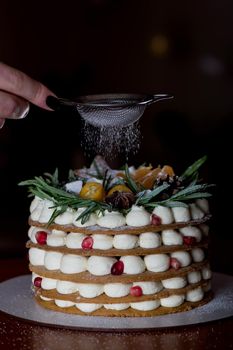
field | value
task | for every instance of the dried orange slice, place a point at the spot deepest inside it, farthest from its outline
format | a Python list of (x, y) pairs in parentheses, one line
[(119, 188), (141, 172), (166, 170), (149, 179), (92, 190)]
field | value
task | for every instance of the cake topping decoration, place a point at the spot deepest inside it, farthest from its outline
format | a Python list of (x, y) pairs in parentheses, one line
[(117, 268), (136, 291), (37, 282), (87, 243), (175, 263), (41, 237)]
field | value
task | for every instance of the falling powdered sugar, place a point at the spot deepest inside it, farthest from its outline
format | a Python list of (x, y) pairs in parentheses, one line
[(111, 141)]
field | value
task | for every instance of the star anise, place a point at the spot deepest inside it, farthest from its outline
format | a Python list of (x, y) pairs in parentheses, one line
[(121, 200)]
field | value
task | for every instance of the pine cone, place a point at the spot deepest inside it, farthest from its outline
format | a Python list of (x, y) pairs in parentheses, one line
[(120, 200), (175, 186)]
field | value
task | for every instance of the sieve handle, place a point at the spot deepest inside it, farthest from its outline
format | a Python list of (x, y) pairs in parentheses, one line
[(155, 98)]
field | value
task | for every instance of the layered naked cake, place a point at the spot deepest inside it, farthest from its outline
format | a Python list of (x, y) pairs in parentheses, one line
[(132, 242)]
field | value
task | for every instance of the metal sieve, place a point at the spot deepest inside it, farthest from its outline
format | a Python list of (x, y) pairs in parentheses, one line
[(109, 110)]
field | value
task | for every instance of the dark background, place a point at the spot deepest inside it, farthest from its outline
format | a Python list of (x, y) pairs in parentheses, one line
[(184, 48)]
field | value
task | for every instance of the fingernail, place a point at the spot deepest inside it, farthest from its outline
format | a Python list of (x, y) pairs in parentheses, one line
[(2, 122), (24, 113), (53, 103)]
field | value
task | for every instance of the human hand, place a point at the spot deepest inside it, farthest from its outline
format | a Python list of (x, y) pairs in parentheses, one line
[(16, 91)]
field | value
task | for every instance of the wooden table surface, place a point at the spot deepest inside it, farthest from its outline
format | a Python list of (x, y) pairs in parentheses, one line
[(22, 335)]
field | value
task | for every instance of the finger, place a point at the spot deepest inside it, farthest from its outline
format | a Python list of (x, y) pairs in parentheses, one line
[(2, 122), (18, 83), (12, 107)]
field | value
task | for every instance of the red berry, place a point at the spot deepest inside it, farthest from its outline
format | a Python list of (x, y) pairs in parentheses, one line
[(37, 282), (41, 237), (189, 240), (117, 268), (175, 263), (87, 243), (136, 291), (155, 219)]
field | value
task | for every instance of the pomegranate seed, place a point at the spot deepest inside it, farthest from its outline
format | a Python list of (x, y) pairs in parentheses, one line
[(155, 219), (41, 237), (189, 240), (87, 243), (136, 291), (117, 268), (37, 282), (175, 263)]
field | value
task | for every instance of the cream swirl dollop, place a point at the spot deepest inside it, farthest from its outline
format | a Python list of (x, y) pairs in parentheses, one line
[(138, 216), (111, 219)]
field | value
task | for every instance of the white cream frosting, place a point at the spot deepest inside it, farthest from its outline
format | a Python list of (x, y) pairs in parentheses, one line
[(145, 305), (203, 204), (118, 307), (52, 260), (88, 307), (192, 231), (45, 298), (91, 290), (34, 204), (35, 214), (100, 265), (36, 256), (56, 238), (47, 211), (48, 283), (198, 254), (138, 216), (171, 237), (194, 295), (194, 277), (183, 257), (64, 303), (181, 214), (74, 240), (90, 222), (117, 290), (174, 282), (133, 264), (196, 212), (124, 241), (66, 287), (172, 301), (71, 263), (65, 218), (165, 214), (149, 287), (110, 219), (206, 273), (149, 240), (32, 233), (101, 241), (157, 262)]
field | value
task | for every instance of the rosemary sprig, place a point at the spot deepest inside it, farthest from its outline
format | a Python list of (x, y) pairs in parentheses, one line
[(191, 173), (130, 182)]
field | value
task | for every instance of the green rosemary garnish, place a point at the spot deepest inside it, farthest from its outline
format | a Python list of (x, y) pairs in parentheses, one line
[(130, 182)]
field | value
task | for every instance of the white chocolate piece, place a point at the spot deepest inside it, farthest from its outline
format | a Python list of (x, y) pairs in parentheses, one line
[(74, 186), (181, 214), (88, 307), (117, 290), (66, 287), (125, 241), (149, 287), (157, 262), (101, 241), (52, 260), (138, 216), (71, 263), (174, 283), (91, 290), (145, 305), (192, 231), (133, 264), (171, 237), (100, 265), (194, 277), (36, 256), (118, 307), (48, 283), (172, 301), (56, 238), (198, 254), (195, 295), (183, 257), (74, 240), (65, 218), (196, 212), (149, 240), (111, 219), (64, 303), (203, 204), (164, 213)]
